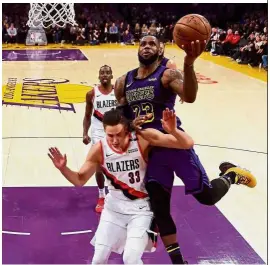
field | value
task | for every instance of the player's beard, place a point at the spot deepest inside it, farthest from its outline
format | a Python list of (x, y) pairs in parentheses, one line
[(149, 60)]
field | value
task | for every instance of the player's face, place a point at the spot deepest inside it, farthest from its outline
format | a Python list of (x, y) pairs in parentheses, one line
[(105, 75), (116, 135), (148, 50)]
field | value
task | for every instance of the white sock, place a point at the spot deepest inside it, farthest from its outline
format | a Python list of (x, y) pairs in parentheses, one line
[(101, 193)]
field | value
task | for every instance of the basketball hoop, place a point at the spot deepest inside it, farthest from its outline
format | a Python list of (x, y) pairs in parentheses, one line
[(45, 15)]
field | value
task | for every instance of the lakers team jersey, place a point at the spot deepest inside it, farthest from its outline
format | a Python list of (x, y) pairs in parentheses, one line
[(124, 171), (147, 95), (102, 103), (164, 61)]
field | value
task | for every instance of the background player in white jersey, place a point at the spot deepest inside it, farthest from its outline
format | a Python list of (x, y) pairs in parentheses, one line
[(98, 101), (126, 217)]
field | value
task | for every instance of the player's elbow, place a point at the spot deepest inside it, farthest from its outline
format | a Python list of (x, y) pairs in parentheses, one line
[(81, 181), (190, 99), (189, 143)]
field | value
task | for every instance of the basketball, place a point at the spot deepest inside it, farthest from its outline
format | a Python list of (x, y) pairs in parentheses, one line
[(190, 28)]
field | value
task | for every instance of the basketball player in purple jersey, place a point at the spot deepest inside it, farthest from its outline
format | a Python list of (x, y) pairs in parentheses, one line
[(143, 94)]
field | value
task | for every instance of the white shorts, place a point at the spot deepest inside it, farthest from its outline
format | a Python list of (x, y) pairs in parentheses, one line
[(115, 229), (96, 135)]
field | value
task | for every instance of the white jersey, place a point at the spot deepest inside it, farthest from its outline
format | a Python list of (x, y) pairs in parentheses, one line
[(102, 103), (126, 216), (125, 174)]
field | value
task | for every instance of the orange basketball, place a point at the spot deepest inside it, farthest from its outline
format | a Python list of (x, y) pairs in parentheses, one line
[(191, 28)]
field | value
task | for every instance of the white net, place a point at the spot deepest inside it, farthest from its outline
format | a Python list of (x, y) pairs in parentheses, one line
[(45, 15)]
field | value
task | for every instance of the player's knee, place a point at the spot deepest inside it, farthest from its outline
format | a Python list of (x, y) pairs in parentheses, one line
[(208, 200), (131, 257), (101, 254)]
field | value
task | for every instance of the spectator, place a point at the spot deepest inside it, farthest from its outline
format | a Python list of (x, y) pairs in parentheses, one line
[(137, 32), (128, 38), (12, 34), (209, 44), (144, 30), (265, 62), (226, 44), (95, 38), (106, 33), (56, 34), (113, 33), (73, 34), (153, 30), (121, 32)]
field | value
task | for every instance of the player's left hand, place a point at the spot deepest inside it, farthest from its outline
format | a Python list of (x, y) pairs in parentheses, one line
[(193, 51), (168, 120), (59, 160), (136, 123)]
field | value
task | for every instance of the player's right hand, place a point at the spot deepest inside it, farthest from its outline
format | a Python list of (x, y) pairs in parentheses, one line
[(86, 139), (59, 160)]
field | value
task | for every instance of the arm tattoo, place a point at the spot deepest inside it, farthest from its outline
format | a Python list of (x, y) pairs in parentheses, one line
[(175, 75)]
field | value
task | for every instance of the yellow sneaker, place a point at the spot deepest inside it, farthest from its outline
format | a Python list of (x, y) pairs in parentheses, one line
[(243, 176)]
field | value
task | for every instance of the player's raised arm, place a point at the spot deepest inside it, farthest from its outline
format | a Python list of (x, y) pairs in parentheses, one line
[(87, 116), (93, 159), (175, 137)]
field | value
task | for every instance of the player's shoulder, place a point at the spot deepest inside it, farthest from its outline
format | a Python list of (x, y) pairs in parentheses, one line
[(90, 95)]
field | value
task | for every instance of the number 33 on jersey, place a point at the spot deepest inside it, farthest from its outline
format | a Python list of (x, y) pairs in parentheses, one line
[(125, 171)]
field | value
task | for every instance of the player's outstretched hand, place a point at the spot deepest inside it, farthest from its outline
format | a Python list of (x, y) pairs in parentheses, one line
[(86, 139), (168, 120), (59, 160), (136, 123), (193, 51)]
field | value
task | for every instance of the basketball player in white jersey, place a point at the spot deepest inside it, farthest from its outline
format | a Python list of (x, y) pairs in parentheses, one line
[(98, 101), (126, 218)]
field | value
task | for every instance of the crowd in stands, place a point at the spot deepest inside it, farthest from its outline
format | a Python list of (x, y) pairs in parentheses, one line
[(239, 30)]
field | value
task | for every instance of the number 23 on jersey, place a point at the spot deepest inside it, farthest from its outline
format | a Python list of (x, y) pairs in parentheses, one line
[(143, 109)]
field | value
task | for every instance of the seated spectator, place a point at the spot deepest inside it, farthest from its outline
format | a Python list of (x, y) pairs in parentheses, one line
[(56, 34), (95, 37), (80, 39), (128, 38), (236, 54), (265, 62), (230, 42), (137, 32), (121, 31), (73, 34), (113, 33), (247, 50), (144, 30), (153, 30), (216, 44), (12, 34), (209, 44)]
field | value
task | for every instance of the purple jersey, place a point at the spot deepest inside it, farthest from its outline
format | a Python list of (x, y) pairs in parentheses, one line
[(148, 95), (164, 61)]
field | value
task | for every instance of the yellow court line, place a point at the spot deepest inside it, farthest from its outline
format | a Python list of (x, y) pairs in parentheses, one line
[(220, 60)]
